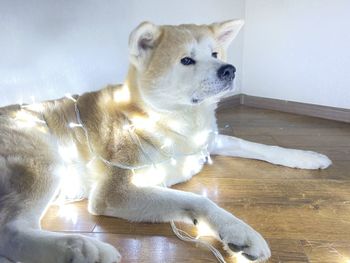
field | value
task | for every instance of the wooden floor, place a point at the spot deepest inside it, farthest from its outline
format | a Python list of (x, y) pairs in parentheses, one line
[(304, 215)]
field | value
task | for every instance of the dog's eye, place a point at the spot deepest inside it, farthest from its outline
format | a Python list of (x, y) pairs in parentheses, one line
[(187, 61), (214, 54)]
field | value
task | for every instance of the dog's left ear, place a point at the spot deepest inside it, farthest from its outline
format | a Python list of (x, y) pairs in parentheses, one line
[(226, 31), (142, 40)]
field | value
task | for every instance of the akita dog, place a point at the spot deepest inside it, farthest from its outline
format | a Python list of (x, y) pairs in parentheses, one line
[(121, 145)]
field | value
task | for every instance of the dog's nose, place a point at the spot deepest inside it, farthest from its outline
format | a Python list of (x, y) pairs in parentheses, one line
[(226, 72)]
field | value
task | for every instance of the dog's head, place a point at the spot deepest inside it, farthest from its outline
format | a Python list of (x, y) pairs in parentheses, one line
[(182, 65)]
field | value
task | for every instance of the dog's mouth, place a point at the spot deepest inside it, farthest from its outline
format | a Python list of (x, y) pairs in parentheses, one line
[(214, 93)]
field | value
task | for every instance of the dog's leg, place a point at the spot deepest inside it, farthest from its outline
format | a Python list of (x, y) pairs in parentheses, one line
[(158, 204), (27, 184), (232, 146)]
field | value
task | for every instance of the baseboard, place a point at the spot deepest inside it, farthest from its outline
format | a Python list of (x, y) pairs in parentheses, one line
[(325, 112), (230, 102)]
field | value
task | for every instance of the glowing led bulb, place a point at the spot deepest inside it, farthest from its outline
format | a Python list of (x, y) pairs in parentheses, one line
[(173, 161), (37, 107), (129, 127), (74, 125), (68, 152), (126, 127), (209, 160), (167, 143), (174, 125), (27, 120), (203, 229), (201, 137), (69, 96), (142, 123), (122, 95), (148, 177)]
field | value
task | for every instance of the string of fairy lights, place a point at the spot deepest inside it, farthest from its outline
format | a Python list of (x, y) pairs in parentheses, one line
[(27, 116), (130, 128), (181, 234)]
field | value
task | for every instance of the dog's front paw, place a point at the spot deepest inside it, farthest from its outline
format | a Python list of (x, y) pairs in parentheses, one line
[(306, 160), (314, 160), (241, 238), (80, 249)]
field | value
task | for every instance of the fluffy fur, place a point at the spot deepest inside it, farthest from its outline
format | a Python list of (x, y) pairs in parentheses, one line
[(40, 153)]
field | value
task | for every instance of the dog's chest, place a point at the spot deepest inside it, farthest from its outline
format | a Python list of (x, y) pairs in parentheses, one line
[(170, 173), (186, 148), (184, 159)]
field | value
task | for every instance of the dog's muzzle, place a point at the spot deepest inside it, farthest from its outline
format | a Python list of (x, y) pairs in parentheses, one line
[(221, 85)]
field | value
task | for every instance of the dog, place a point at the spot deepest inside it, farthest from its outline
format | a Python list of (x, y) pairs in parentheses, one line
[(121, 145)]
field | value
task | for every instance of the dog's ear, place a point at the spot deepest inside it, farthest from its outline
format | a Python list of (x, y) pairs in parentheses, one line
[(142, 40), (226, 31)]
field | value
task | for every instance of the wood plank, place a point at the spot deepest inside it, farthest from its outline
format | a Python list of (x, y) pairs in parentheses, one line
[(287, 250), (72, 217), (243, 116), (335, 153), (170, 249), (121, 226), (305, 141), (240, 168), (326, 251), (280, 130), (155, 249)]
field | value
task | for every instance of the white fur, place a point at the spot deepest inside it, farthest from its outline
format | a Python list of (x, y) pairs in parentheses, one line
[(232, 146)]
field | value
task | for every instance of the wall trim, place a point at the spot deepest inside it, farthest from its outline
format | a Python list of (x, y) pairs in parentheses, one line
[(320, 111), (228, 103)]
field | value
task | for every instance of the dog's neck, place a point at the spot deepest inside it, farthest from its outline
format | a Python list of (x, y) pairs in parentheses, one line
[(194, 114)]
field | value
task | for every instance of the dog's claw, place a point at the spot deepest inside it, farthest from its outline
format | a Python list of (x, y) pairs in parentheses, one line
[(236, 248), (250, 257)]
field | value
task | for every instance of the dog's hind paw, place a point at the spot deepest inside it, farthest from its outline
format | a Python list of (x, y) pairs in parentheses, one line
[(81, 249)]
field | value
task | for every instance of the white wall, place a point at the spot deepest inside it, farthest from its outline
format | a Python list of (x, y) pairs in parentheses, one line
[(293, 50), (50, 47), (298, 51)]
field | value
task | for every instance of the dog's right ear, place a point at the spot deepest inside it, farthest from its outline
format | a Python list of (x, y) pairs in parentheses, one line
[(226, 31), (142, 40)]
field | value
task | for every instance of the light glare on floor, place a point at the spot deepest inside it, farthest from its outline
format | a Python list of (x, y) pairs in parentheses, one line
[(241, 259), (68, 212)]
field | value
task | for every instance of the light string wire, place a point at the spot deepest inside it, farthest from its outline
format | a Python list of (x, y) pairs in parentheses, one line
[(184, 236), (181, 234)]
